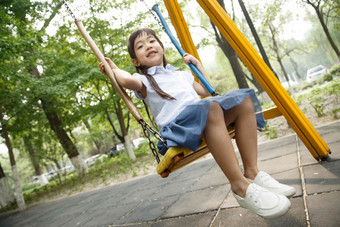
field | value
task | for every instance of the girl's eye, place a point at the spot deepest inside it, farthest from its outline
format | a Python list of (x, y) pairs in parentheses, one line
[(152, 41), (140, 46)]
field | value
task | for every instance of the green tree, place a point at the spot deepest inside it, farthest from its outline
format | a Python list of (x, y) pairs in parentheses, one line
[(32, 56), (324, 9)]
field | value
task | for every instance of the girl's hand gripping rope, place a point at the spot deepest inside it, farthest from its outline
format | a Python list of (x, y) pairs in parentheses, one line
[(111, 64)]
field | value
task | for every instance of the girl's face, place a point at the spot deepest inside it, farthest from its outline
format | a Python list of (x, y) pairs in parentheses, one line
[(148, 51)]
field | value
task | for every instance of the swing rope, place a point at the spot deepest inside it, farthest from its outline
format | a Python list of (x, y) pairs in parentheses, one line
[(147, 129)]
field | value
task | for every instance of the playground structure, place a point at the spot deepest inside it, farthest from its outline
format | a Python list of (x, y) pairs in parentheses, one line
[(285, 104), (176, 157)]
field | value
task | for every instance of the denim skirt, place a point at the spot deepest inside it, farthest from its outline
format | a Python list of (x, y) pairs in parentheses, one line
[(187, 128)]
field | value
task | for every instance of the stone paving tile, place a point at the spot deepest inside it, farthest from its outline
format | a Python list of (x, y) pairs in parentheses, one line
[(196, 220), (194, 170), (330, 134), (135, 196), (174, 188), (320, 213), (332, 128), (230, 201), (291, 178), (110, 215), (209, 180), (279, 164), (154, 181), (61, 222), (79, 220), (242, 217), (149, 210), (322, 177), (214, 167), (277, 147), (46, 216), (198, 201), (20, 218), (335, 155)]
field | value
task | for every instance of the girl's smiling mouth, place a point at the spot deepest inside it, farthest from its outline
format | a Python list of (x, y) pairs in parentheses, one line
[(151, 53)]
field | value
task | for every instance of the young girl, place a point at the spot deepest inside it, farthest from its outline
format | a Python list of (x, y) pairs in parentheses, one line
[(182, 118)]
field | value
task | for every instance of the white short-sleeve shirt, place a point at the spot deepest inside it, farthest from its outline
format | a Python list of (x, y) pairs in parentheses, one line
[(178, 84)]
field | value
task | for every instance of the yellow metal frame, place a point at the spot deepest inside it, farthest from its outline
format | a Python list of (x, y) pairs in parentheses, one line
[(285, 104)]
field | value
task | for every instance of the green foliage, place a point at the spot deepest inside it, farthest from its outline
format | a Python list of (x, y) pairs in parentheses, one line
[(29, 187), (334, 70), (270, 131), (335, 113), (327, 77), (318, 107), (334, 88)]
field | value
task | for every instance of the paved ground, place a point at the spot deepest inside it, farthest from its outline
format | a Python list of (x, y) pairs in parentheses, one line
[(199, 194)]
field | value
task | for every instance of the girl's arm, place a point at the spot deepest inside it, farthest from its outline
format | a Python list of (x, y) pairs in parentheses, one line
[(124, 78), (199, 87)]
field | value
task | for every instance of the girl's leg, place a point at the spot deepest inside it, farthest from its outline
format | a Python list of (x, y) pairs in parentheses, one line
[(251, 196), (222, 149), (246, 138), (244, 119)]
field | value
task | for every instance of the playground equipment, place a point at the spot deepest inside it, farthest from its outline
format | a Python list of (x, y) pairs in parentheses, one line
[(177, 157)]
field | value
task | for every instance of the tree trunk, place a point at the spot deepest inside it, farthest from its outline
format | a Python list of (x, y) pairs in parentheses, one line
[(295, 66), (37, 168), (6, 193), (96, 142), (325, 29), (127, 143), (18, 192), (42, 179), (129, 148), (56, 125), (276, 50), (79, 165), (69, 147), (123, 138), (233, 58), (254, 32)]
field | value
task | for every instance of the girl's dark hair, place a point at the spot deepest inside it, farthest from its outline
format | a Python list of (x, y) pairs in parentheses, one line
[(142, 69)]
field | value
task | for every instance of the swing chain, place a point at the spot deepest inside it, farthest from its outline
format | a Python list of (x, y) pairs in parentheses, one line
[(69, 10), (147, 129), (154, 15)]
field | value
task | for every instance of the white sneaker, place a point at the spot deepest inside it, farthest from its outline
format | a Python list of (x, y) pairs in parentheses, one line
[(266, 181), (263, 202)]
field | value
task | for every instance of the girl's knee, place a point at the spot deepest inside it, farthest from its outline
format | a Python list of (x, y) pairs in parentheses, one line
[(215, 108), (215, 112), (248, 104)]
